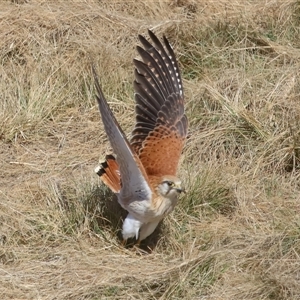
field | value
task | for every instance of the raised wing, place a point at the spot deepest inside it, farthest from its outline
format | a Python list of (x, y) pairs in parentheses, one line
[(161, 125), (134, 179)]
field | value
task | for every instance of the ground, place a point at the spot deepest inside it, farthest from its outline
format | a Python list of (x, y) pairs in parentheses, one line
[(234, 235)]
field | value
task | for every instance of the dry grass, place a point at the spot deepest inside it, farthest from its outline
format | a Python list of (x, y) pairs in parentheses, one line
[(235, 235)]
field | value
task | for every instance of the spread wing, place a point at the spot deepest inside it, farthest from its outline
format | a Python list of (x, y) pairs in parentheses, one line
[(133, 176), (161, 125)]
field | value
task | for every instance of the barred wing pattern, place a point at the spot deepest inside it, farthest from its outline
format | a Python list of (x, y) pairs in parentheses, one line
[(161, 125)]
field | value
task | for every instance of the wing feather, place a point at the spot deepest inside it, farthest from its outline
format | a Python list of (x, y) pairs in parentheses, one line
[(133, 176), (158, 74), (169, 63), (146, 90), (161, 124), (149, 81), (162, 147)]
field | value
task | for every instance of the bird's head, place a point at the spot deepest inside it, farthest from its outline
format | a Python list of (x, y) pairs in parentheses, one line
[(170, 186)]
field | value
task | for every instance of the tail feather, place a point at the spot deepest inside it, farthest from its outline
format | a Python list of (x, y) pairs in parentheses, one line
[(109, 173)]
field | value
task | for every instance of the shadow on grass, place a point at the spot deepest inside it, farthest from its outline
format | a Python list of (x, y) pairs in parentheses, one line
[(104, 213)]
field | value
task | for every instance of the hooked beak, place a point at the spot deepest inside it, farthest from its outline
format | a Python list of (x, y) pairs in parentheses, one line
[(180, 190)]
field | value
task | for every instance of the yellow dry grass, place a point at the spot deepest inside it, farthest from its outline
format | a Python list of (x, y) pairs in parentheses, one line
[(235, 235)]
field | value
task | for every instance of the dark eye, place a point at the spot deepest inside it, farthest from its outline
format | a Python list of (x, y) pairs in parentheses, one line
[(170, 183)]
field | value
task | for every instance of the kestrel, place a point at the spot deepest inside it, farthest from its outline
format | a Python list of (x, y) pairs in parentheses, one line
[(143, 174)]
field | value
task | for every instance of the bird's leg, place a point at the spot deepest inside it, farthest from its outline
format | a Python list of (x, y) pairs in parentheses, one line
[(137, 244), (124, 241), (138, 250)]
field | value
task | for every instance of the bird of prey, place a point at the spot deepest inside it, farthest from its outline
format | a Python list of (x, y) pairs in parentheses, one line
[(143, 173)]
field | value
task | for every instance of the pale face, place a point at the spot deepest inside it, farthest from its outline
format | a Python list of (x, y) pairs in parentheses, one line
[(170, 186)]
